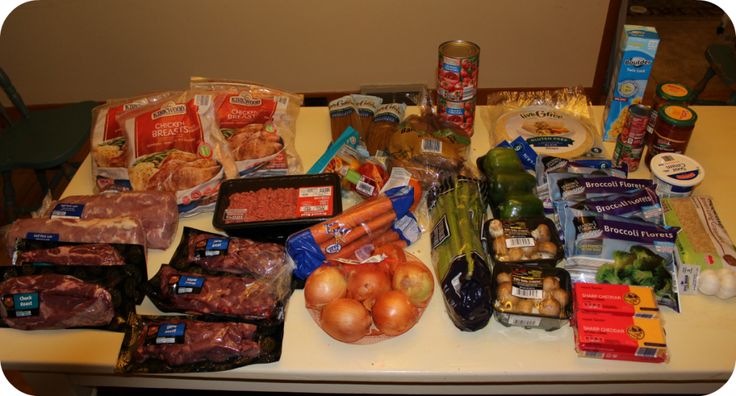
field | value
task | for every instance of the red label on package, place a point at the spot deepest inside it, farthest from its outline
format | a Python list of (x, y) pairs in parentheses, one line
[(174, 126), (240, 110), (112, 128), (315, 201)]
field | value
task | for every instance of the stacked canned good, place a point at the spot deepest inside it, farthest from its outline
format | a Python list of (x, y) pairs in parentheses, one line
[(457, 83), (632, 139), (667, 92)]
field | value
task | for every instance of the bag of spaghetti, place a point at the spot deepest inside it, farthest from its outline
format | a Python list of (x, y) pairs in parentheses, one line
[(553, 122), (172, 147), (109, 146), (258, 125)]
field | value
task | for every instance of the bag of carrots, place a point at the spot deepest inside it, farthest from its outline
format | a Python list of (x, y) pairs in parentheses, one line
[(357, 232)]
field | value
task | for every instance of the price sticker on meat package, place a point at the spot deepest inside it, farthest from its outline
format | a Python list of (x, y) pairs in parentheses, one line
[(314, 201), (21, 305), (167, 333), (188, 285)]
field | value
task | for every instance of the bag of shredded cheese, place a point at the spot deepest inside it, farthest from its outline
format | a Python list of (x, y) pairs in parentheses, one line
[(173, 147), (108, 144), (257, 125)]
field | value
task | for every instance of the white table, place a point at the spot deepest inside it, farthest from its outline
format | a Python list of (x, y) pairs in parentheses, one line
[(433, 357)]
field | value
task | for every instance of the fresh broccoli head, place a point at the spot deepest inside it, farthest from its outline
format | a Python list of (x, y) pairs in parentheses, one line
[(607, 274), (626, 272)]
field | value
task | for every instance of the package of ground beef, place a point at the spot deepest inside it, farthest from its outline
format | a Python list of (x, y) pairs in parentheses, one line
[(258, 124), (109, 145), (173, 146)]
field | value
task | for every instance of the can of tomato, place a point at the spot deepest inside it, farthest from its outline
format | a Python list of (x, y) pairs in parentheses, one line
[(632, 139), (460, 113), (457, 71)]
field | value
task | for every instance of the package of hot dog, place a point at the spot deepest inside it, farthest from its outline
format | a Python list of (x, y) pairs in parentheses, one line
[(156, 210), (355, 233), (122, 230)]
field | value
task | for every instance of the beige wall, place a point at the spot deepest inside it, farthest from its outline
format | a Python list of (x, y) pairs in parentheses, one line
[(58, 51)]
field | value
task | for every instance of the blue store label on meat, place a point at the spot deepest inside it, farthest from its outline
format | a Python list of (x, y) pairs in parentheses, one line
[(216, 246), (67, 211), (41, 236), (166, 333), (189, 285), (21, 305)]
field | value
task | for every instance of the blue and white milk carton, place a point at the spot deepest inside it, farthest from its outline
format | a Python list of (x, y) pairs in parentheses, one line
[(633, 66)]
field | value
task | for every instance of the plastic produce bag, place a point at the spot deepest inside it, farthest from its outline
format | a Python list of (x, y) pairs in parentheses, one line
[(457, 211), (258, 124)]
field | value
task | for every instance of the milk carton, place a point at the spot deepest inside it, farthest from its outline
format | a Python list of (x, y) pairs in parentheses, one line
[(634, 63)]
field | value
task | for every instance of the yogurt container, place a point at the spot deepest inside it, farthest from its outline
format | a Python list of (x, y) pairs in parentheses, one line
[(676, 175)]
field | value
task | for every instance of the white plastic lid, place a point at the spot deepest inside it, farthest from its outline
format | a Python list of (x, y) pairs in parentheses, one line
[(677, 169)]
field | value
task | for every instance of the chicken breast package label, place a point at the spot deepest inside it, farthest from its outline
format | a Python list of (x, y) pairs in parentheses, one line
[(173, 148), (109, 144)]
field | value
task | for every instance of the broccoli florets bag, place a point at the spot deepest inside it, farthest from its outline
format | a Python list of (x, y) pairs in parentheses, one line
[(602, 248)]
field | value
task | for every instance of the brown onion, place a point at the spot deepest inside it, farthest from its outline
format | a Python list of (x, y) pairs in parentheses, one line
[(414, 280), (394, 314), (324, 285), (345, 320), (366, 282)]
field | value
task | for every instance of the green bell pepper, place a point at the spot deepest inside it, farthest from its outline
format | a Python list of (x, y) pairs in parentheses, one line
[(503, 184), (521, 206), (500, 159)]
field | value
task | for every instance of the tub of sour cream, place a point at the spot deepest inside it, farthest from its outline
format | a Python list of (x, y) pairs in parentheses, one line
[(676, 175)]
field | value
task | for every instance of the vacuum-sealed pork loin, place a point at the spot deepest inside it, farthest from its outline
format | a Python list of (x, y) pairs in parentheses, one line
[(122, 230), (53, 301), (156, 211)]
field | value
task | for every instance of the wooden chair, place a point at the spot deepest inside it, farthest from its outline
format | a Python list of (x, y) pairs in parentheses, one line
[(39, 140), (722, 63)]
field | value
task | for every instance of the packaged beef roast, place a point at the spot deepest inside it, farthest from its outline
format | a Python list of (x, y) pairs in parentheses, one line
[(180, 344), (56, 285), (156, 211)]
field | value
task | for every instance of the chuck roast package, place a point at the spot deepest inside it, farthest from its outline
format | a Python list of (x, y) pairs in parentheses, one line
[(57, 285)]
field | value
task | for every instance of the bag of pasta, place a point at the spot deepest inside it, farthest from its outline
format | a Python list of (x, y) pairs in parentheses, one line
[(172, 148), (257, 124)]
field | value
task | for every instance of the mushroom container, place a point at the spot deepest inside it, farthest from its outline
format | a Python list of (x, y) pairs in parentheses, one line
[(531, 240), (531, 296)]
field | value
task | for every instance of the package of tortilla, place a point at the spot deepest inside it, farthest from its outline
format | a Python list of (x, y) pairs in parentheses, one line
[(356, 232), (554, 122), (62, 285), (220, 253), (601, 248), (220, 296), (181, 344), (258, 124), (173, 147), (109, 145)]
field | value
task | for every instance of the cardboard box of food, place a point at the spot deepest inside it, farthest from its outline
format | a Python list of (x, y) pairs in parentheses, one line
[(636, 52), (619, 337), (626, 300)]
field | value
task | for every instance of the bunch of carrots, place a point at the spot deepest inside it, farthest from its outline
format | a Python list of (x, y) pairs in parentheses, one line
[(359, 231)]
